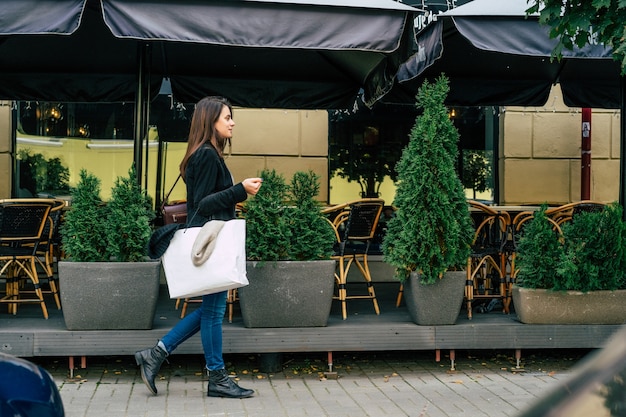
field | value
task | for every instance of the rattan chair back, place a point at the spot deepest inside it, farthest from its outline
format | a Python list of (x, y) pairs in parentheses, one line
[(21, 227), (362, 220)]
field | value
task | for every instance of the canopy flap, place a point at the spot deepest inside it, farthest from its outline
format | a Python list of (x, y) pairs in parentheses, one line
[(259, 24), (37, 17)]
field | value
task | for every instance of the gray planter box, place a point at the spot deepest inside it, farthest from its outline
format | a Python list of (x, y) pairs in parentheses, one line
[(288, 294), (540, 306), (109, 295), (437, 304)]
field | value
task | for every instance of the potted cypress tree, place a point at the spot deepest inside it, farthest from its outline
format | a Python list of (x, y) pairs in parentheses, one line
[(288, 245), (428, 240), (574, 277), (107, 281)]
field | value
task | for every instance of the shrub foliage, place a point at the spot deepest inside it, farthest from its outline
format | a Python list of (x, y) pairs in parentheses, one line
[(284, 222), (432, 230), (590, 255), (94, 231)]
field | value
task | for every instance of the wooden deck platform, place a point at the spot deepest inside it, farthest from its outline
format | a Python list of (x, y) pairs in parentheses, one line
[(27, 334)]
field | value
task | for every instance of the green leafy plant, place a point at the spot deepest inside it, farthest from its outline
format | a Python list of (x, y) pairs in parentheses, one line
[(584, 22), (268, 234), (94, 231), (477, 170), (285, 222), (590, 256), (432, 229), (83, 232), (538, 252), (312, 238), (57, 175), (594, 252), (129, 215), (40, 174)]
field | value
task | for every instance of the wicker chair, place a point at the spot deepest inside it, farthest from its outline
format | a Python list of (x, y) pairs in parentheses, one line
[(520, 221), (49, 247), (21, 229), (564, 213), (486, 265), (355, 228), (231, 298)]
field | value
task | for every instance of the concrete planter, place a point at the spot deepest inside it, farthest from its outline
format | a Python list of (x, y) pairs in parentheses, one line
[(288, 294), (437, 304), (540, 306), (109, 295)]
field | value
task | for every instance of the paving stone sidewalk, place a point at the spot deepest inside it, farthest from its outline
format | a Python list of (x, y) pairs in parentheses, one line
[(368, 384)]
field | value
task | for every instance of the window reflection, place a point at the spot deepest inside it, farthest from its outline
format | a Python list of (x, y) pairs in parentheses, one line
[(365, 145), (76, 120), (55, 140)]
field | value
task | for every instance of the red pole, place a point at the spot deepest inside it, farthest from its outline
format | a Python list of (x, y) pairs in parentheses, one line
[(585, 158)]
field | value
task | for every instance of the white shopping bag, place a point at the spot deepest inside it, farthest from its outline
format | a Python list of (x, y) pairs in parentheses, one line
[(225, 269)]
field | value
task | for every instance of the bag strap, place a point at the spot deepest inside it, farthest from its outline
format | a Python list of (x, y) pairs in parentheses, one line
[(167, 196)]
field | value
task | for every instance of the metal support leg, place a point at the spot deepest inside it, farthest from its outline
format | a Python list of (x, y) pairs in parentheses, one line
[(83, 364), (331, 374), (518, 359)]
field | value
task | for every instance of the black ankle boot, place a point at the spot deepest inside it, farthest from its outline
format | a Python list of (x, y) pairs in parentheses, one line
[(221, 385), (150, 361)]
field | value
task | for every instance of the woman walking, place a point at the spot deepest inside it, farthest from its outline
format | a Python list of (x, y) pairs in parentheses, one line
[(211, 195)]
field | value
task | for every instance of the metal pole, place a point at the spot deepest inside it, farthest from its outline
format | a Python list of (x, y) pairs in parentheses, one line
[(585, 157), (141, 106)]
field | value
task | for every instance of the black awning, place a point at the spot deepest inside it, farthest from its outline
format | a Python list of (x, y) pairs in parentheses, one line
[(261, 53)]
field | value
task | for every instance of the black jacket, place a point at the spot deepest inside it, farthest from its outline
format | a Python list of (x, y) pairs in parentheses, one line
[(210, 195), (210, 188)]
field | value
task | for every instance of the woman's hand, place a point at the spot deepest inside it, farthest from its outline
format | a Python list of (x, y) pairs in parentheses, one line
[(252, 185)]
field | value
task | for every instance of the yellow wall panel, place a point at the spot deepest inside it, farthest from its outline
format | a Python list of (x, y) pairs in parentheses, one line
[(288, 166), (556, 135), (551, 169), (605, 180), (266, 132), (314, 132), (615, 135), (536, 181), (5, 126), (5, 175), (517, 126), (243, 167)]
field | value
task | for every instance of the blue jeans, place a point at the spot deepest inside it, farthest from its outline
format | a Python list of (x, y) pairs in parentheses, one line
[(208, 320)]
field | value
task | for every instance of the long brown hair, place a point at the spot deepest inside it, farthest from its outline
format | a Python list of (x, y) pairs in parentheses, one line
[(202, 128)]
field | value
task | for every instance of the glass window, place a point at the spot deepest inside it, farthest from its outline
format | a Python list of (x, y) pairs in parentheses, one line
[(54, 141), (364, 147)]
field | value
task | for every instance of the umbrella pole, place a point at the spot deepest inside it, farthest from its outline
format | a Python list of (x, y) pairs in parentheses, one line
[(141, 106), (585, 157)]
